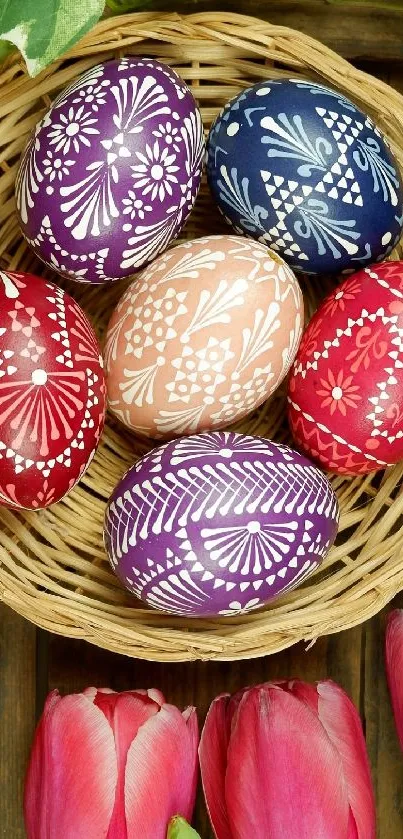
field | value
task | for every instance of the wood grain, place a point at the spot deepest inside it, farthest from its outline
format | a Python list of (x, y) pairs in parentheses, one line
[(17, 716), (356, 31)]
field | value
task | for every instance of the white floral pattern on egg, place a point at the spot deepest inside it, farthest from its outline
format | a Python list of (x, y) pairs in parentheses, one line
[(112, 171), (205, 334)]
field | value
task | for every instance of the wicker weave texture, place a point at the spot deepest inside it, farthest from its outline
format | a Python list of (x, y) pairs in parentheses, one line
[(53, 567)]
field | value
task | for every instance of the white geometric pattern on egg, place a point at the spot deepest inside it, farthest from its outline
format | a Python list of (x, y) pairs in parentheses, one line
[(219, 523), (296, 165), (204, 335)]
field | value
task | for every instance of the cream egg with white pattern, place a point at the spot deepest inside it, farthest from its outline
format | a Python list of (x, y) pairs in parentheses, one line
[(202, 337)]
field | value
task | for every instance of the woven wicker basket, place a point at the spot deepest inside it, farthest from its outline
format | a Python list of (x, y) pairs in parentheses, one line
[(53, 568)]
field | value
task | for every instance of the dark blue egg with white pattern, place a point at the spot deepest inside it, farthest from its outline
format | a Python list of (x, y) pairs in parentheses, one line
[(298, 166)]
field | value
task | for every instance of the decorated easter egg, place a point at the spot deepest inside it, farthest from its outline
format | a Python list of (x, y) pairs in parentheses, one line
[(204, 336), (346, 388), (219, 523), (298, 166), (52, 392), (111, 172)]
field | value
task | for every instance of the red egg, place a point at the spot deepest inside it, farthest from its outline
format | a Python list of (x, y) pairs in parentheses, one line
[(52, 392), (346, 386)]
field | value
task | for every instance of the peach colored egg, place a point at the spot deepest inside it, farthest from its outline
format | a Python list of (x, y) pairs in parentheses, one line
[(202, 337)]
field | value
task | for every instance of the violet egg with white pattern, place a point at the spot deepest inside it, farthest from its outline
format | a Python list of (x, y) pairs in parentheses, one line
[(219, 524), (52, 392), (111, 172), (298, 166)]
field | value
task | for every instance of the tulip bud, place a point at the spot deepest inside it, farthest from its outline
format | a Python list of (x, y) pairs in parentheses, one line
[(108, 765), (394, 666), (286, 760)]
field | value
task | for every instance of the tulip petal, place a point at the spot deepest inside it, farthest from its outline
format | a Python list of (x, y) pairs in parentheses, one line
[(213, 749), (92, 692), (304, 691), (37, 792), (126, 712), (394, 667), (81, 772), (154, 694), (161, 773), (342, 723), (284, 777)]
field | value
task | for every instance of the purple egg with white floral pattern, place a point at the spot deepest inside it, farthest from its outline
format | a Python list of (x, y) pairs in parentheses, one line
[(111, 172), (219, 524)]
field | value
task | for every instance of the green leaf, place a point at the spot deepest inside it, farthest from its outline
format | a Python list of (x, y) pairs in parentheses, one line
[(5, 49), (178, 828), (44, 29)]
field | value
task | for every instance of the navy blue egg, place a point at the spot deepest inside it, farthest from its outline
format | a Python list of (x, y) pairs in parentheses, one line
[(298, 166)]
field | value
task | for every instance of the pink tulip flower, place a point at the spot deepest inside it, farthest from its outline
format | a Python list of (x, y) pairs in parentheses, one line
[(394, 666), (108, 765), (287, 760)]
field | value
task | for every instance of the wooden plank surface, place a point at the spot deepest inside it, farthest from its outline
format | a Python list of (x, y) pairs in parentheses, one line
[(357, 31), (17, 716)]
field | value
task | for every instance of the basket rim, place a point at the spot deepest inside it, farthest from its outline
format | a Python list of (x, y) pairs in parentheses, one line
[(279, 626)]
